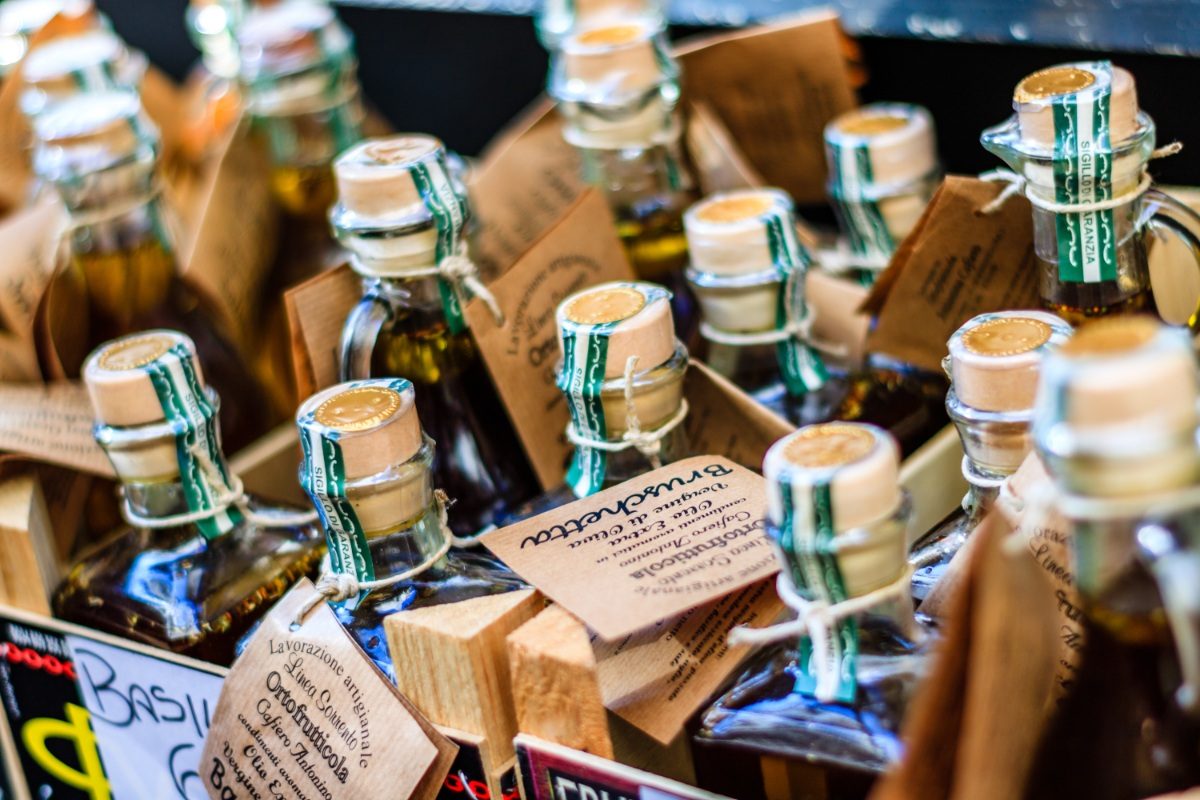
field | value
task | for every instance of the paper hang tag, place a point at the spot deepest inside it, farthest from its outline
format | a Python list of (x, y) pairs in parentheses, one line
[(27, 240), (650, 548), (51, 423), (775, 87), (529, 178), (720, 165), (580, 250), (658, 678), (305, 713), (317, 311), (1049, 544), (723, 419), (955, 264), (232, 244)]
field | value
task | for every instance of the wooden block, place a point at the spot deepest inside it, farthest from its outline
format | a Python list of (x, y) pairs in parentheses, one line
[(29, 566), (556, 688), (451, 663), (786, 779)]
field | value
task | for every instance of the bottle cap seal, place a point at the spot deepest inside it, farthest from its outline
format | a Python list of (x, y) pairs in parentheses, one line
[(91, 132), (120, 376), (373, 422), (995, 358), (1108, 90), (633, 319), (879, 145)]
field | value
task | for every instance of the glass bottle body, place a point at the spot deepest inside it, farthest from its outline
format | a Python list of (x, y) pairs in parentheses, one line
[(933, 553), (755, 369), (123, 277), (907, 402), (174, 587), (400, 329), (648, 189)]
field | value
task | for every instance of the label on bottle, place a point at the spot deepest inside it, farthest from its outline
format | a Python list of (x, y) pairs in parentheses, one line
[(802, 369), (648, 549), (1083, 161), (550, 771), (956, 263), (203, 474), (87, 715), (304, 712), (432, 179), (850, 182), (827, 668)]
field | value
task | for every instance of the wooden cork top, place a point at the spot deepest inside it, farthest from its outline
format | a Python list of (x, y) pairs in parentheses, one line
[(50, 65), (899, 140), (733, 207), (121, 389), (613, 62), (635, 317), (109, 119), (281, 38), (374, 422), (995, 358), (1036, 94), (1112, 336), (375, 177), (728, 233), (860, 464)]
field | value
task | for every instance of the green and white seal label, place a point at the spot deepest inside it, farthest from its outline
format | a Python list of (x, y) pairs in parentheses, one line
[(801, 515), (587, 322), (1079, 97), (356, 408), (170, 365)]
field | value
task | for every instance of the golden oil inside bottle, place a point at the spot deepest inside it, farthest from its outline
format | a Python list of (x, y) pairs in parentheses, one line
[(654, 241), (304, 191)]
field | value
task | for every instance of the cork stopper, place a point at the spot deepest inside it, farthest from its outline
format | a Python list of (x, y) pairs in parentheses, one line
[(1081, 82), (118, 376), (60, 65), (284, 38), (730, 233), (1127, 371), (27, 17), (898, 139), (859, 466), (374, 422), (376, 178), (89, 132), (634, 316), (995, 358)]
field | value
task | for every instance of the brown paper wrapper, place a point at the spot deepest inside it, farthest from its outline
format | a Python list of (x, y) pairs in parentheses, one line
[(775, 87), (956, 263)]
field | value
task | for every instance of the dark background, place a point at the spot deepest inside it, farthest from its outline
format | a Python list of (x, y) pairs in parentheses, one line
[(462, 76)]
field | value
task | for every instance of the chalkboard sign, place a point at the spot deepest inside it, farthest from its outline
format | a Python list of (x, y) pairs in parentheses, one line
[(87, 715)]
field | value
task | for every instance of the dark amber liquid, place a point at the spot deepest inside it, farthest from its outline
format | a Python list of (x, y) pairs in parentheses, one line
[(909, 404), (653, 236), (172, 589), (478, 460), (136, 288)]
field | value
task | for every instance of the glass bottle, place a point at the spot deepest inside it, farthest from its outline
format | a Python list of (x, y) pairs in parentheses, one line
[(367, 467), (622, 371), (93, 61), (216, 102), (198, 564), (401, 214), (617, 88), (101, 153), (557, 19), (993, 366), (883, 170), (1116, 426), (21, 19), (1078, 137), (298, 74), (836, 700)]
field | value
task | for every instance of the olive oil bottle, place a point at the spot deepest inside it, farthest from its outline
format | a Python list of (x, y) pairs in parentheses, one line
[(100, 152), (401, 214), (199, 562)]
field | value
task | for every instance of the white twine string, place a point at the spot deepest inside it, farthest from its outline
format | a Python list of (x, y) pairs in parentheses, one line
[(648, 443), (816, 620), (338, 586), (457, 268), (1018, 184), (841, 258), (229, 493)]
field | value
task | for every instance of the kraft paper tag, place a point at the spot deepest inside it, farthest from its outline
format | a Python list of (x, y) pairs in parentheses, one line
[(720, 165), (957, 262), (232, 246), (305, 713), (725, 420), (648, 549), (27, 240), (51, 423), (317, 311), (1049, 545), (581, 250), (656, 679), (775, 87), (529, 178)]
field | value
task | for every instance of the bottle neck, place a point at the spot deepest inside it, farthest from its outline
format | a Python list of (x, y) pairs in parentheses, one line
[(629, 175)]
